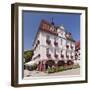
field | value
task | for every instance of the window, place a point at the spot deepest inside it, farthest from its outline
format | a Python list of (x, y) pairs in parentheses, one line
[(54, 38), (47, 53), (45, 26), (48, 39), (71, 53), (61, 51), (55, 41), (72, 46)]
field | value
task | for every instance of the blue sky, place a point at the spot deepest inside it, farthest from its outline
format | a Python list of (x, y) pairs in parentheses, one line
[(31, 22)]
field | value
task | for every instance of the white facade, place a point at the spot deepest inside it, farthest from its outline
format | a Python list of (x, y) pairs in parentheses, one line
[(58, 45)]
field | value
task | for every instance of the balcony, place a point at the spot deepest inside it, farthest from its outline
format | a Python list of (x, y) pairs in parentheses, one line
[(56, 56), (48, 55), (48, 41), (56, 43)]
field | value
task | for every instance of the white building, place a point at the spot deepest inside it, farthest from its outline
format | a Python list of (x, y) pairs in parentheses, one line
[(53, 46)]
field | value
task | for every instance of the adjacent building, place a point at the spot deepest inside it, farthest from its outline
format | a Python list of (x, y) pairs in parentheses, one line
[(77, 52), (53, 46)]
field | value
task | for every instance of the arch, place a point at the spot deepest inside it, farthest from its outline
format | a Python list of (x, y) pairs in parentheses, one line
[(61, 63), (69, 62), (50, 63)]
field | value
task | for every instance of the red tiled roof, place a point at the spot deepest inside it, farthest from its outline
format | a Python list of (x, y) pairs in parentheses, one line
[(77, 44), (45, 26)]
